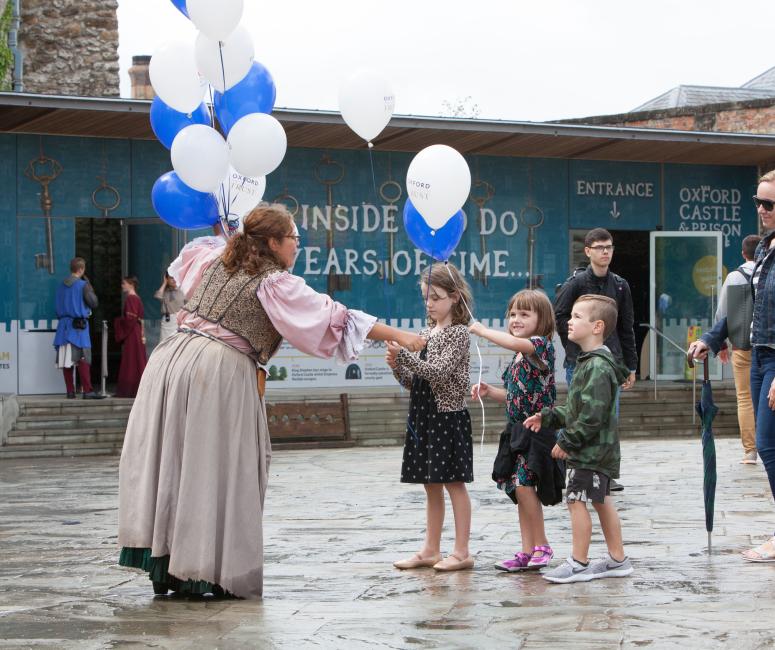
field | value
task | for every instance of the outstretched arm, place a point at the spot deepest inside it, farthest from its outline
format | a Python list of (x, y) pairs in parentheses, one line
[(503, 339), (409, 340), (482, 390)]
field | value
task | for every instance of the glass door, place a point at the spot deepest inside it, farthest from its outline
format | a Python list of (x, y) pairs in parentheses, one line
[(149, 245), (684, 288)]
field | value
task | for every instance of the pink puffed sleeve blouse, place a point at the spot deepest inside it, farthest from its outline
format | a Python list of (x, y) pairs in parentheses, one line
[(311, 322)]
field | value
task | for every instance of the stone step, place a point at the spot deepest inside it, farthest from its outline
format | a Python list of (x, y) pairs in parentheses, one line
[(71, 421), (46, 407), (83, 436), (49, 450)]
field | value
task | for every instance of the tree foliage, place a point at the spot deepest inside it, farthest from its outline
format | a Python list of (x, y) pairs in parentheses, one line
[(6, 56), (460, 107)]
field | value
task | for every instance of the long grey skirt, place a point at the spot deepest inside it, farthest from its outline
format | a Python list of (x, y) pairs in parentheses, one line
[(194, 465)]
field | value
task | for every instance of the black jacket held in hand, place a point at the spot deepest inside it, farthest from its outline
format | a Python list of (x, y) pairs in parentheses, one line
[(622, 341), (536, 448)]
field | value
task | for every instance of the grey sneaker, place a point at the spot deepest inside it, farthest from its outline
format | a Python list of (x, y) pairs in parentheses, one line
[(570, 571), (607, 567)]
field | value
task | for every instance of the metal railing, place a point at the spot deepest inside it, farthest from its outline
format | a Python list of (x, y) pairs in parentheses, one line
[(104, 360), (685, 353)]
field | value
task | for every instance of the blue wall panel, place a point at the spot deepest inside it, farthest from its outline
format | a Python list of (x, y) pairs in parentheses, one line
[(83, 160), (699, 198), (149, 161), (566, 194), (37, 287), (8, 305), (613, 195)]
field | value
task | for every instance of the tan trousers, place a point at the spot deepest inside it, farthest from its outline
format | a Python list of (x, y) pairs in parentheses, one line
[(741, 368)]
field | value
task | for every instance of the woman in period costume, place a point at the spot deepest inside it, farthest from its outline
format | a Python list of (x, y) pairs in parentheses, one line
[(195, 461), (131, 334)]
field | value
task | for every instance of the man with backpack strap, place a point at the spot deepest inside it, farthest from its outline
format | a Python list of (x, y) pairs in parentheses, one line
[(597, 279), (733, 322)]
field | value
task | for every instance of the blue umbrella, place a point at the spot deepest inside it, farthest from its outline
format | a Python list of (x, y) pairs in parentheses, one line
[(707, 410)]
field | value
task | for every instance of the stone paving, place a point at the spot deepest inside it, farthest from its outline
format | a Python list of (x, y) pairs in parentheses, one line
[(335, 520)]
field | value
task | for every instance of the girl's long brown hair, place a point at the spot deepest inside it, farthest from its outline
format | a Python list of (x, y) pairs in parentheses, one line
[(446, 277), (249, 249)]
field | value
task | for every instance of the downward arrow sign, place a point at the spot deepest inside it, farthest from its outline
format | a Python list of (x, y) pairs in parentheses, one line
[(614, 212)]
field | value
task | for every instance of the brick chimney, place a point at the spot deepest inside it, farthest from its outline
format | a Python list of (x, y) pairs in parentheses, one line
[(141, 80)]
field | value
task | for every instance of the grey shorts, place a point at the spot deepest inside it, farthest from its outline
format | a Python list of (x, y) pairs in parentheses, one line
[(587, 485)]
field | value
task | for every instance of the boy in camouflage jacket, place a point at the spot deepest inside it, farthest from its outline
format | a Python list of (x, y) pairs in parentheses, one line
[(590, 442)]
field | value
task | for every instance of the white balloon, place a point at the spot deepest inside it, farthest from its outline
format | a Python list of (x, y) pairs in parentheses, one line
[(238, 55), (200, 157), (257, 144), (438, 182), (174, 76), (239, 194), (216, 18), (366, 101)]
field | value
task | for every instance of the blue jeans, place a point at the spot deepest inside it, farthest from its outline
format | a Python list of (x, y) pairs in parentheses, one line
[(762, 374)]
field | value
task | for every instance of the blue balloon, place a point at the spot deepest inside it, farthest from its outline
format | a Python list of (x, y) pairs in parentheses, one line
[(166, 122), (180, 206), (439, 244), (180, 5), (254, 94)]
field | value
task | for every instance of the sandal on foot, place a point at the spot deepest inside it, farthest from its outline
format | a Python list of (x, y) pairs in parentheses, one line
[(517, 563), (541, 557), (763, 553), (454, 563), (417, 562)]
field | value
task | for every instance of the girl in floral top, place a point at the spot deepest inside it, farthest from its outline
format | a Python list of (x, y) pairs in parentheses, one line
[(528, 386)]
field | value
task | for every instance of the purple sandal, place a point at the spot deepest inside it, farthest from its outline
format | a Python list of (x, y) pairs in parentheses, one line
[(541, 557), (518, 563)]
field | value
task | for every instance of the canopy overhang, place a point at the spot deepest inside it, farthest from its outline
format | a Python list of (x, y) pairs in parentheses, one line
[(128, 118)]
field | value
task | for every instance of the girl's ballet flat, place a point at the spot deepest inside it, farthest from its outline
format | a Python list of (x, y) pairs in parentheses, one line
[(417, 562), (454, 563)]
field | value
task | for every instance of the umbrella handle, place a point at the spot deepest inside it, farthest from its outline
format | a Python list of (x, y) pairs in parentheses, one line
[(705, 368)]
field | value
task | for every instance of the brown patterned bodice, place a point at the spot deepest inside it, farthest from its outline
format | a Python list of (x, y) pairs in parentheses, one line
[(231, 301)]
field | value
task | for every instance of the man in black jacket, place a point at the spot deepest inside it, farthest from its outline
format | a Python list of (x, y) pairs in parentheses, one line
[(597, 279)]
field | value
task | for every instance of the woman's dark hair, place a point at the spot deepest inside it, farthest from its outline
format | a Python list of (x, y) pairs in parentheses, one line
[(247, 250), (132, 279)]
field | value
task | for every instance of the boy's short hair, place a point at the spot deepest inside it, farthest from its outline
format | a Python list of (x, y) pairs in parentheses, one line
[(601, 308), (749, 246), (595, 235), (77, 264)]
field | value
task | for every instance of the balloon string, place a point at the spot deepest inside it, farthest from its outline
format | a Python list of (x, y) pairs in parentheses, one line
[(388, 310), (221, 195), (479, 354)]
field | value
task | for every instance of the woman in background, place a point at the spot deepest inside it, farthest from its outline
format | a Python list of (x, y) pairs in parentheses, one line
[(131, 334), (171, 301)]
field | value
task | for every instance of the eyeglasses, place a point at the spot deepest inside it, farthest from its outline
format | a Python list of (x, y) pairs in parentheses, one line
[(767, 204), (602, 249), (296, 237)]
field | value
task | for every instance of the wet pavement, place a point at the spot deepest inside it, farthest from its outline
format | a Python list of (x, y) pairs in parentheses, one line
[(334, 522)]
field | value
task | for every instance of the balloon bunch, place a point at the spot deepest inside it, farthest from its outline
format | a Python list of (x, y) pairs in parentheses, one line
[(438, 183), (438, 180), (217, 174)]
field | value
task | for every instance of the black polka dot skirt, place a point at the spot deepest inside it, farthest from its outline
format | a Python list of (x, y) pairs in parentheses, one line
[(438, 446)]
